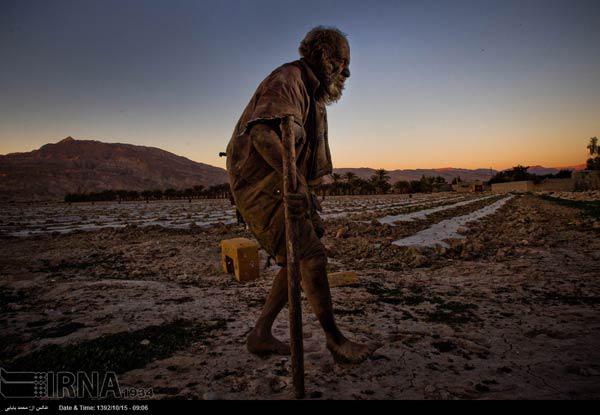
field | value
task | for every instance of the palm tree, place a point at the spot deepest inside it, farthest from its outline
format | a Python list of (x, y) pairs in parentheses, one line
[(133, 195), (336, 182), (427, 183), (157, 194), (402, 186), (349, 176), (382, 175), (198, 190), (225, 191), (350, 184), (593, 146), (121, 195), (147, 194), (189, 193), (170, 193), (593, 163), (368, 187), (381, 180)]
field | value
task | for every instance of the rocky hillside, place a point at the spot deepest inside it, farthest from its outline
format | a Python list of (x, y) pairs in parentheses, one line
[(86, 166)]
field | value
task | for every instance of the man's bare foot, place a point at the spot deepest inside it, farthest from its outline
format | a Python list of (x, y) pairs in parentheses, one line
[(261, 344), (350, 352)]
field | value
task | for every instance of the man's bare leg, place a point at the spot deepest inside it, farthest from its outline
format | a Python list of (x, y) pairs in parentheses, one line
[(316, 288), (261, 340)]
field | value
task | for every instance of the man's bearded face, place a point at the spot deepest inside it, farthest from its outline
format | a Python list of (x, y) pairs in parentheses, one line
[(335, 73)]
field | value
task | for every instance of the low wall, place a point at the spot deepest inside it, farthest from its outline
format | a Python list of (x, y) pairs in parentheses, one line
[(463, 189), (556, 185), (520, 187), (548, 185), (587, 180)]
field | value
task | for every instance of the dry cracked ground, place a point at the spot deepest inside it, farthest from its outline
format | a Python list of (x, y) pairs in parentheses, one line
[(510, 311)]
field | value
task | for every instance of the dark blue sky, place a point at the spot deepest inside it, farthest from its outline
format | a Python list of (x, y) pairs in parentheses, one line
[(434, 83)]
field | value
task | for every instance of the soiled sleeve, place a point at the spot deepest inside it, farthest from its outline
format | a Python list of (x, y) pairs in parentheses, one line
[(267, 143)]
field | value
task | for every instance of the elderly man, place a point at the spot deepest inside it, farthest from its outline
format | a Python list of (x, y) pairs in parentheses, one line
[(300, 89)]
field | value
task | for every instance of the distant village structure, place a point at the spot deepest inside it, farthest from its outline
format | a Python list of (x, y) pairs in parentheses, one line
[(581, 180), (519, 187), (469, 187)]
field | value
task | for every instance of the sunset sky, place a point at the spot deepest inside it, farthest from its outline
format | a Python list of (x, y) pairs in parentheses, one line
[(434, 83)]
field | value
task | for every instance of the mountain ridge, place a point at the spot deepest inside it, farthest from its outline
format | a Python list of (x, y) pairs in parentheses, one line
[(74, 166), (448, 173)]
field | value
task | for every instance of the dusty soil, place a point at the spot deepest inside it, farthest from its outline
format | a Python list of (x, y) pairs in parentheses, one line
[(511, 311)]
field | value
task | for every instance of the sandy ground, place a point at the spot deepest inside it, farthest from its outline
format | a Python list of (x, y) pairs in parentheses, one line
[(510, 311)]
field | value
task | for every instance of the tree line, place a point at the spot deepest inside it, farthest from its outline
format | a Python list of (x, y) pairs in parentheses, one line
[(519, 173), (347, 184), (220, 191), (379, 183)]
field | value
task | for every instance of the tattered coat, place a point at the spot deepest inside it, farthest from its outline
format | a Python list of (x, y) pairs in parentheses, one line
[(256, 184)]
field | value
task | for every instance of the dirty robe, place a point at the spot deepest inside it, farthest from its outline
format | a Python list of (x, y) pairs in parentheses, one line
[(255, 177)]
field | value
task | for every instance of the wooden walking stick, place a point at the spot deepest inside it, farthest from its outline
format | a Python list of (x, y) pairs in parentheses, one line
[(293, 264)]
